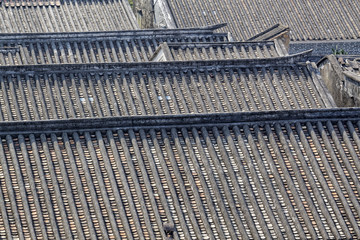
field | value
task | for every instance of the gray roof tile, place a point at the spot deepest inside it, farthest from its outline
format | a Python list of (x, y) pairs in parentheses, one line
[(219, 51), (94, 47), (94, 90), (68, 16), (285, 174), (308, 20)]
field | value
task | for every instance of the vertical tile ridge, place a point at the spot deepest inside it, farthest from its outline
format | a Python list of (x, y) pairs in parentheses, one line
[(144, 213), (344, 158), (317, 195), (11, 192), (57, 191), (31, 95), (191, 180), (77, 178), (22, 189), (115, 191), (99, 179), (22, 98), (322, 181), (178, 93), (146, 180), (338, 166), (41, 95), (220, 94), (162, 96), (284, 193), (207, 195), (333, 179), (271, 188), (118, 199), (278, 89), (241, 198), (69, 193), (291, 182), (145, 93), (177, 174), (169, 181), (113, 105), (264, 94), (99, 98), (304, 87), (45, 188), (260, 216), (121, 100), (155, 174), (31, 182), (14, 96), (171, 97)]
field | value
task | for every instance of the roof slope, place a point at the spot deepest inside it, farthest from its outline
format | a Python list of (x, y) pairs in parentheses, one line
[(95, 47), (308, 20), (104, 90), (219, 50), (68, 16), (292, 175)]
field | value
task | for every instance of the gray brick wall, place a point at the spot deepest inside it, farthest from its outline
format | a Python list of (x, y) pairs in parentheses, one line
[(322, 48)]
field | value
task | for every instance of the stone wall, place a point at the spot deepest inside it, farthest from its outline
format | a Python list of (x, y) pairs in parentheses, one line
[(323, 48), (344, 87), (144, 13)]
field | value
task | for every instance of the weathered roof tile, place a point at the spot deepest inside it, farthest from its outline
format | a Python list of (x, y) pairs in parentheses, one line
[(94, 90), (308, 20), (285, 174), (218, 51), (67, 16), (95, 47)]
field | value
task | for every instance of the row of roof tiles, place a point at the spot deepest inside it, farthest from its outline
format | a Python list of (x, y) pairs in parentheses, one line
[(30, 3), (70, 16), (219, 51), (65, 91), (285, 175), (98, 47), (210, 175), (308, 20), (134, 50)]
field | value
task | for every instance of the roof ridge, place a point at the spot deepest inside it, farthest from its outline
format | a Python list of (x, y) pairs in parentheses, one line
[(138, 66), (124, 122), (122, 33)]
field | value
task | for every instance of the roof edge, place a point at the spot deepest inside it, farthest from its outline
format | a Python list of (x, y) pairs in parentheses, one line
[(159, 66), (136, 32)]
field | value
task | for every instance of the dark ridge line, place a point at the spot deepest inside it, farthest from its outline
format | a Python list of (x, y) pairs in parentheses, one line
[(150, 66), (205, 44), (117, 34), (180, 120)]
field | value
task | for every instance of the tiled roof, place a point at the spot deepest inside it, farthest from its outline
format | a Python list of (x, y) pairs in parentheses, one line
[(30, 3), (289, 175), (308, 20), (68, 16), (219, 50), (95, 47), (95, 143), (104, 90)]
